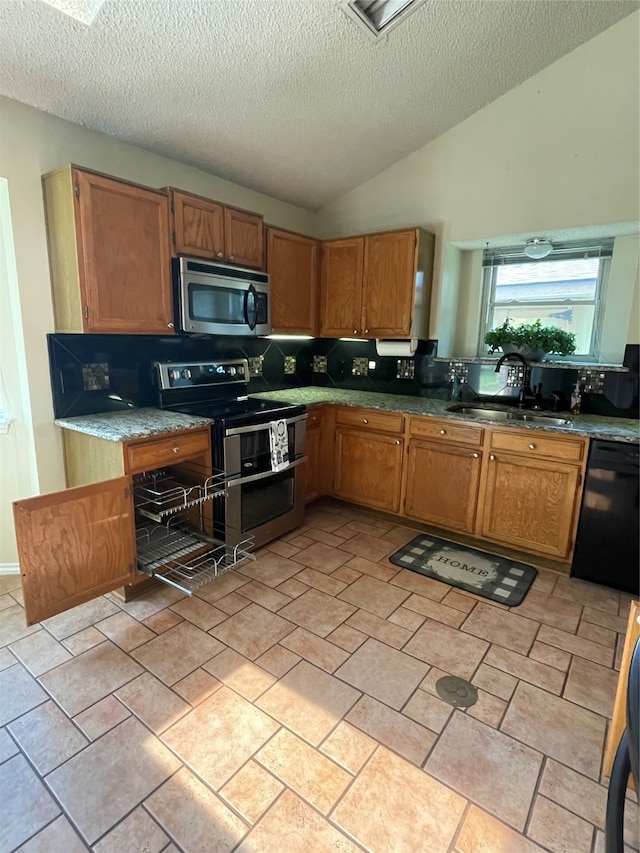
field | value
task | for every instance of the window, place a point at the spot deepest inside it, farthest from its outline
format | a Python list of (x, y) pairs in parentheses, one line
[(565, 289)]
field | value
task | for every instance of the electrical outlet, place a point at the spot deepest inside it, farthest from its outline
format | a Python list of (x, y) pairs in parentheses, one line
[(360, 367), (289, 364), (319, 364), (405, 368)]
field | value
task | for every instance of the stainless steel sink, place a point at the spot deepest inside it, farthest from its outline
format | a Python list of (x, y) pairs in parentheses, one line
[(500, 415)]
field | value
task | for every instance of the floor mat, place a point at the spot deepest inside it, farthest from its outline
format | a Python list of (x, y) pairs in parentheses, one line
[(466, 568)]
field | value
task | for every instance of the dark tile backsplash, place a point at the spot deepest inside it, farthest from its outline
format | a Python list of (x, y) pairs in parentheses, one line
[(101, 373)]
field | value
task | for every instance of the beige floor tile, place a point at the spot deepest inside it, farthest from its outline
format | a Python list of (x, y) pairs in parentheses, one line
[(317, 612), (383, 672), (151, 602), (194, 816), (179, 651), (300, 541), (314, 649), (201, 613), (125, 631), (9, 582), (253, 630), (269, 569), (459, 601), (632, 824), (17, 595), (80, 617), (7, 746), (348, 747), (240, 674), (591, 594), (152, 702), (550, 655), (19, 693), (197, 686), (576, 645), (222, 586), (218, 736), (381, 571), (346, 575), (604, 636), (369, 547), (318, 580), (428, 710), (560, 729), (308, 701), (599, 846), (84, 640), (379, 629), (292, 587), (545, 581), (482, 833), (374, 595), (89, 677), (283, 549), (13, 626), (136, 833), (57, 837), (291, 826), (399, 535), (421, 585), (309, 773), (502, 627), (435, 610), (99, 785), (574, 792), (232, 603), (251, 791), (447, 649), (489, 709), (6, 658), (604, 620), (27, 806), (495, 771), (366, 526), (495, 681), (347, 638), (277, 660), (526, 669), (408, 619), (409, 739), (557, 829), (101, 717), (39, 652), (592, 686), (47, 737), (392, 804), (321, 520), (325, 537), (265, 596), (323, 558), (162, 621), (550, 610)]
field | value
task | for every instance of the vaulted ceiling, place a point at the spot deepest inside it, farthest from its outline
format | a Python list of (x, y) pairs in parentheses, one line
[(289, 97)]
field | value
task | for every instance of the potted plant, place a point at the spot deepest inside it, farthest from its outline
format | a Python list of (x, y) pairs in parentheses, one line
[(532, 340)]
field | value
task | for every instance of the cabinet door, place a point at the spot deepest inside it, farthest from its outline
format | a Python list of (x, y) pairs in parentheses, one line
[(369, 468), (292, 264), (123, 256), (442, 485), (530, 503), (312, 451), (389, 271), (342, 271), (243, 238), (198, 226), (74, 546)]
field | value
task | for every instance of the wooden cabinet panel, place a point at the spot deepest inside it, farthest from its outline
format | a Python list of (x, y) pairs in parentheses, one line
[(75, 545), (313, 453), (342, 278), (442, 485), (147, 454), (369, 468), (374, 419), (243, 238), (389, 272), (198, 226), (530, 503), (538, 443), (619, 717), (446, 431), (120, 280), (293, 267)]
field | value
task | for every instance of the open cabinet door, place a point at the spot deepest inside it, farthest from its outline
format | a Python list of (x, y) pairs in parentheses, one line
[(75, 545)]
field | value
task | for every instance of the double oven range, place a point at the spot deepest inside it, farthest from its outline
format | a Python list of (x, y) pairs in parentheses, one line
[(258, 501)]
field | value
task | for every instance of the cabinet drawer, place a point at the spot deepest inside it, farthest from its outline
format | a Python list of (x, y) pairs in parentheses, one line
[(148, 454), (383, 421), (535, 443), (446, 431)]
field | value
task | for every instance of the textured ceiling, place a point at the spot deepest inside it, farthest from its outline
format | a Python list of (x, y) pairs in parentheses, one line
[(289, 97)]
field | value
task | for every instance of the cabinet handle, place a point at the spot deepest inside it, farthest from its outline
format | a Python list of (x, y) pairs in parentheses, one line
[(397, 441), (169, 325), (492, 458), (355, 331), (366, 331), (476, 455), (218, 254), (532, 447), (443, 432), (231, 258), (176, 450), (365, 421)]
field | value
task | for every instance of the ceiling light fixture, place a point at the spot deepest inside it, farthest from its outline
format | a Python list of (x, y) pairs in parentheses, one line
[(537, 248), (377, 17)]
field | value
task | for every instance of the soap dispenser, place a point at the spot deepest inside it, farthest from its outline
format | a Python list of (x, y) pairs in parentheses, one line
[(576, 400)]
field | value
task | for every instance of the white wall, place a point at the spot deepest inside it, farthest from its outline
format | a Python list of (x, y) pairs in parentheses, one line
[(32, 143), (560, 151)]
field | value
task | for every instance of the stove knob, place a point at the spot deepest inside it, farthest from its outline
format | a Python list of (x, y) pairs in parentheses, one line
[(186, 373), (174, 374)]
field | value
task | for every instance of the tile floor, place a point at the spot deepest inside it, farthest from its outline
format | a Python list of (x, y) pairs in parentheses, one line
[(292, 707)]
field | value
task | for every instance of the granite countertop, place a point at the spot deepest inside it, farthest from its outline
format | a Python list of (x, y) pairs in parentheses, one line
[(593, 426), (132, 423)]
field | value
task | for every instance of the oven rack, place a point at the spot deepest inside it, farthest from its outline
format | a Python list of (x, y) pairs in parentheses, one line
[(184, 558), (160, 494)]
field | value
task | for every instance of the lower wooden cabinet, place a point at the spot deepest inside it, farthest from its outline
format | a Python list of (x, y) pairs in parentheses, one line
[(368, 468), (313, 452)]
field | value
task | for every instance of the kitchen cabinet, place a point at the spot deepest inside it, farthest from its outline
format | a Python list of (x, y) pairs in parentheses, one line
[(109, 254), (313, 452), (369, 453), (87, 540), (294, 268), (443, 473), (203, 228), (530, 496), (377, 285)]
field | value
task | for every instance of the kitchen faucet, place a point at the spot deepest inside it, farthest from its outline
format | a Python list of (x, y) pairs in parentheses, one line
[(526, 393)]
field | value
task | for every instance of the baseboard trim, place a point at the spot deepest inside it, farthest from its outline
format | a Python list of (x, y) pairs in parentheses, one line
[(9, 569)]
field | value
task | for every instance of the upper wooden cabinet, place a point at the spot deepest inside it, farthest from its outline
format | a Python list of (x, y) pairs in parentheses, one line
[(377, 285), (293, 264), (203, 228), (109, 254)]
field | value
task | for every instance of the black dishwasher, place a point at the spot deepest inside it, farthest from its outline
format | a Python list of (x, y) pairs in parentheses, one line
[(607, 549)]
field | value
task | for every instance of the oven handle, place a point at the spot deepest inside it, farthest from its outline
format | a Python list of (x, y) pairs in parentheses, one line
[(259, 427), (239, 481), (250, 292)]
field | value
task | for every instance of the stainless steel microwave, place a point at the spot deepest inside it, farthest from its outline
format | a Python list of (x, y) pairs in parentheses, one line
[(214, 299)]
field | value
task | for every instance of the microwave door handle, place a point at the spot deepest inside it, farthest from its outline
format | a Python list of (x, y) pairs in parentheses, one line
[(250, 292)]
